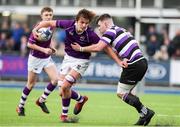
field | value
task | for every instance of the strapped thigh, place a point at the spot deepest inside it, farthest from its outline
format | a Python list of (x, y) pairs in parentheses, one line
[(124, 88), (70, 79)]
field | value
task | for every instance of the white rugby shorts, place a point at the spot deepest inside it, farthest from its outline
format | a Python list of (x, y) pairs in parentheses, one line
[(37, 64), (69, 62)]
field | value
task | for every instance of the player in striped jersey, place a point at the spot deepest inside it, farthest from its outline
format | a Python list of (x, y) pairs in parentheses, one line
[(131, 59)]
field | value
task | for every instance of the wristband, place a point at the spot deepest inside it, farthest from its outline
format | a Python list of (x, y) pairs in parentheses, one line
[(81, 49)]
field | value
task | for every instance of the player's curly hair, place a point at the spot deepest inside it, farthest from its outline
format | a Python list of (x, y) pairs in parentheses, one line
[(48, 9), (85, 14)]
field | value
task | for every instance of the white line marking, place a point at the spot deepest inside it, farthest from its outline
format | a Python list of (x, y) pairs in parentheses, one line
[(165, 115)]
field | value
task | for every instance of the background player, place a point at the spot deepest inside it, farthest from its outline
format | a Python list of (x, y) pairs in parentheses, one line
[(39, 59)]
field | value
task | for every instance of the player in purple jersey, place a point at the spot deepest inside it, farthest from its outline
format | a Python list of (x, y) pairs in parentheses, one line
[(131, 59), (39, 59), (75, 63)]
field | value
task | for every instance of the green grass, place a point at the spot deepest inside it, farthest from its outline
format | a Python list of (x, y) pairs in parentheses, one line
[(102, 109)]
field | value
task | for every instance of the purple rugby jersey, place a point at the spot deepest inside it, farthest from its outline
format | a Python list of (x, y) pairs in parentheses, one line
[(123, 42), (44, 44), (87, 38)]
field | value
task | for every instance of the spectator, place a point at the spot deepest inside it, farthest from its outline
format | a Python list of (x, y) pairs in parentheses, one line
[(23, 48), (60, 38), (151, 31), (5, 29), (27, 30), (2, 41), (17, 33), (176, 44), (152, 45), (161, 54)]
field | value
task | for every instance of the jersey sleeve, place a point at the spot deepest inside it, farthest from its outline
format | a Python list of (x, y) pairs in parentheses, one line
[(108, 36), (64, 23), (31, 39)]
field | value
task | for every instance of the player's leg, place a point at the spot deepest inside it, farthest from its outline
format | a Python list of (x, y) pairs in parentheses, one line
[(53, 75), (129, 78), (123, 91), (32, 77), (80, 67), (68, 81), (64, 70), (145, 113), (74, 94)]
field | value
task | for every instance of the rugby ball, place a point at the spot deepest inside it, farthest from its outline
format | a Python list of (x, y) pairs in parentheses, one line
[(44, 34)]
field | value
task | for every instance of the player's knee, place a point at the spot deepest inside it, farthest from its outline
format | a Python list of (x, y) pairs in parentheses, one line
[(54, 81), (60, 83), (120, 95), (65, 88), (123, 89), (60, 94), (30, 85)]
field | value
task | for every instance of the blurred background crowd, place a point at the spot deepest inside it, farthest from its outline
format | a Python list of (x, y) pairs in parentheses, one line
[(158, 45), (158, 40)]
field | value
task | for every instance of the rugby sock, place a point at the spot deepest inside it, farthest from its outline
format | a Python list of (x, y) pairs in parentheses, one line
[(76, 96), (65, 105), (143, 112), (24, 95), (46, 93), (133, 101)]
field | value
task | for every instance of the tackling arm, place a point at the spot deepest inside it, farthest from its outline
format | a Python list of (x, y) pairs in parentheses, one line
[(92, 48), (112, 54), (115, 57), (98, 47)]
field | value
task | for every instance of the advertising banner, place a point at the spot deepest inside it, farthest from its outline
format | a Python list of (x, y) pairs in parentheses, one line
[(158, 73), (103, 70), (13, 66), (174, 73), (99, 70)]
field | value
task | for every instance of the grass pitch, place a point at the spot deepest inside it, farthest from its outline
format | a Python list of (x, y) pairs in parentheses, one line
[(102, 109)]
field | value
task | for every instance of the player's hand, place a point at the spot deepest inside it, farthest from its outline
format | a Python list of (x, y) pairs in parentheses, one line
[(124, 63), (76, 46), (53, 50), (35, 33), (48, 51)]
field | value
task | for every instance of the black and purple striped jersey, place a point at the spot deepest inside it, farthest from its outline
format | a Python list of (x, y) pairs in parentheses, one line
[(123, 42)]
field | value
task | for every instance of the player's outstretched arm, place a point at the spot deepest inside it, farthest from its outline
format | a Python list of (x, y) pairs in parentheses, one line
[(51, 23), (92, 48), (115, 57)]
